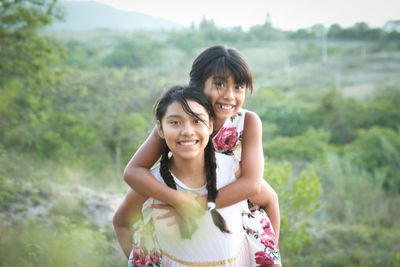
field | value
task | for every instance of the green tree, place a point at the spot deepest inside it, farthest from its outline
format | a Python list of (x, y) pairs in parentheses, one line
[(377, 150), (136, 52), (29, 68), (298, 201), (339, 115), (310, 146), (117, 108)]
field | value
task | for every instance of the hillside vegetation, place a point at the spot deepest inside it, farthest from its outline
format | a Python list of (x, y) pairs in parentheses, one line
[(75, 106)]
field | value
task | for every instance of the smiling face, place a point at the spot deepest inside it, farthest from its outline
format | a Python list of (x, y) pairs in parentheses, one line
[(185, 135), (225, 95)]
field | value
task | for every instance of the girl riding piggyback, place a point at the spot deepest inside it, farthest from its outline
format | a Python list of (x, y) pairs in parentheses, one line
[(224, 76)]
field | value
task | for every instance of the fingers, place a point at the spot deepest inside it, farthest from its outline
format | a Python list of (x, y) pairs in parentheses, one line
[(161, 206), (166, 215), (172, 223)]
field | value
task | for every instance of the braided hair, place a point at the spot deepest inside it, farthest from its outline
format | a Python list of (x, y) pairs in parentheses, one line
[(182, 94)]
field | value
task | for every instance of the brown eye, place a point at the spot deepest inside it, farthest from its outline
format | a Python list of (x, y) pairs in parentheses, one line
[(240, 87)]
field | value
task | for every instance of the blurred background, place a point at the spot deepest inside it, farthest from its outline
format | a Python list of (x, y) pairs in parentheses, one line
[(78, 81)]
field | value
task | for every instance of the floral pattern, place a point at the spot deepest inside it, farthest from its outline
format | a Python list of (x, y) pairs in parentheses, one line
[(141, 258), (263, 258), (226, 139), (145, 251), (256, 224), (261, 236), (229, 137)]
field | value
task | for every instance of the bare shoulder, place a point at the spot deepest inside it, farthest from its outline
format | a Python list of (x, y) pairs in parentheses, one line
[(252, 122)]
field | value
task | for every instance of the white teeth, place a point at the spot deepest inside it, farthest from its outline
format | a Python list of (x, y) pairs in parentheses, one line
[(188, 143), (227, 107)]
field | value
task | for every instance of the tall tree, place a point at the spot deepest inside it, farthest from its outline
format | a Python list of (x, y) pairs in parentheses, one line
[(29, 67)]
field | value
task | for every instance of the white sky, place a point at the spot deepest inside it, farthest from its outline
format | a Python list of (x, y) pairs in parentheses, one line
[(285, 14)]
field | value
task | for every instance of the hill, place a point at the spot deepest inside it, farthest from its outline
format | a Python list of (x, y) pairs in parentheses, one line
[(86, 15)]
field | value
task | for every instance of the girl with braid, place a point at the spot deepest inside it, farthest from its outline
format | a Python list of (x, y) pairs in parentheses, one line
[(189, 164), (224, 76)]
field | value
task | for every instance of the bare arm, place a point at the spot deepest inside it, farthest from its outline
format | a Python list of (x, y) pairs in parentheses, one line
[(138, 176), (137, 172), (252, 165), (126, 215), (268, 200)]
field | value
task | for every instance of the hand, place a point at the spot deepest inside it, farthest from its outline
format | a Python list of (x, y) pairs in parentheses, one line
[(190, 206), (171, 212)]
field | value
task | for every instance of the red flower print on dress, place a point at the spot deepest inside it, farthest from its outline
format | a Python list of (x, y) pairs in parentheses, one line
[(265, 223), (138, 257), (226, 139), (142, 258), (154, 257), (263, 258), (269, 240)]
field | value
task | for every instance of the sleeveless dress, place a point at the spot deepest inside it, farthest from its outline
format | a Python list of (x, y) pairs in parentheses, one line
[(208, 246), (256, 224)]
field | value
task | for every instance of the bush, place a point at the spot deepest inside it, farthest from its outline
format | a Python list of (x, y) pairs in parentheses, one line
[(45, 244), (377, 150), (308, 147), (298, 201), (134, 53)]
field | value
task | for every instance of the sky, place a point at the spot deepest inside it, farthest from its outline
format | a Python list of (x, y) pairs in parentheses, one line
[(284, 14)]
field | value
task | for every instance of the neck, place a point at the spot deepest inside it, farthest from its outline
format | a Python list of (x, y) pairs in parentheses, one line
[(190, 172), (217, 125)]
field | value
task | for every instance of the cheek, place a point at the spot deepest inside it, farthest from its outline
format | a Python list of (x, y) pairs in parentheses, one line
[(208, 93), (213, 96), (241, 97)]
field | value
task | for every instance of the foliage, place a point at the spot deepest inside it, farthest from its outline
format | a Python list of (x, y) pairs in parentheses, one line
[(382, 109), (341, 116), (298, 200), (351, 245), (78, 119), (290, 119), (377, 150), (61, 244), (29, 67), (80, 55), (136, 52), (355, 216), (309, 146)]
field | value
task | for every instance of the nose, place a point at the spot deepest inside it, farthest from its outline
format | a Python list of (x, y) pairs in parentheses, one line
[(228, 93), (187, 129)]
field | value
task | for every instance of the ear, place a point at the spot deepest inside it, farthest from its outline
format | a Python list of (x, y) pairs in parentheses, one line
[(211, 126), (160, 130)]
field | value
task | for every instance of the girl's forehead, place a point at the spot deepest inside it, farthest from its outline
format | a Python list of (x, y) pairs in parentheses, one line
[(176, 109)]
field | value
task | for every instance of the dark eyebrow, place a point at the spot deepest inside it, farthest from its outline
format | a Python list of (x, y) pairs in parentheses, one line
[(178, 116), (173, 116), (200, 114), (220, 78)]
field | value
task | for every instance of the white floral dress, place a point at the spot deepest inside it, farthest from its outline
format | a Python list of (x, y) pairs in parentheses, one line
[(259, 232)]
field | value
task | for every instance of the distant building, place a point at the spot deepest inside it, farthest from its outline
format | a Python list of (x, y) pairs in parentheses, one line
[(268, 20), (392, 25)]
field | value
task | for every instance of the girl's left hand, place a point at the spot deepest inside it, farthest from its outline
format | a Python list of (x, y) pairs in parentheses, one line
[(171, 212)]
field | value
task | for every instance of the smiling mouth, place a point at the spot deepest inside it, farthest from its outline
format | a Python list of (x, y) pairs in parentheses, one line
[(188, 143), (226, 107)]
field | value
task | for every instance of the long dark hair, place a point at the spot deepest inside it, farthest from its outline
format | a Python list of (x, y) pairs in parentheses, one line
[(182, 94), (223, 61)]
